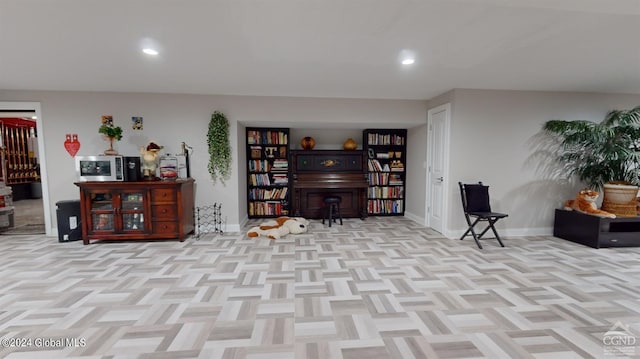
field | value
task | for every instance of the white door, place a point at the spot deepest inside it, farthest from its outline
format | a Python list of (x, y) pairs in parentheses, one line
[(437, 166)]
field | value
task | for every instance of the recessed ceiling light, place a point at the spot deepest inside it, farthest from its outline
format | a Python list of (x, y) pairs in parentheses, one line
[(150, 51), (408, 61), (34, 117)]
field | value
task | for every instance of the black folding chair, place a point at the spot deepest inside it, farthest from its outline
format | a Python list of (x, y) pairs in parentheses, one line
[(475, 203)]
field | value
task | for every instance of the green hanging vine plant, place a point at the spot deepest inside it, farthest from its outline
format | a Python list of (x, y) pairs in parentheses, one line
[(219, 148)]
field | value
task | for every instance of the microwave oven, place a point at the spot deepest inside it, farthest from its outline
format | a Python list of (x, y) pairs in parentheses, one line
[(100, 168)]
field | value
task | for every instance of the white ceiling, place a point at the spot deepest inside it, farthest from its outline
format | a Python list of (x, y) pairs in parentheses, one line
[(320, 48)]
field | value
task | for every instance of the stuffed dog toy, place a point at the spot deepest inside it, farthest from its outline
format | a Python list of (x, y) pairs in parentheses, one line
[(279, 227)]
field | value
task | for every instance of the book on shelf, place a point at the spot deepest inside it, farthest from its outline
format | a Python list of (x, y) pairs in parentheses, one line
[(280, 178), (259, 179), (397, 166), (374, 165), (275, 193), (386, 192), (378, 139), (265, 194), (253, 137), (259, 166), (395, 180), (266, 137), (280, 165), (256, 152)]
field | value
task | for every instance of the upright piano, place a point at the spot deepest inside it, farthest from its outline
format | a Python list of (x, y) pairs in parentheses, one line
[(319, 173)]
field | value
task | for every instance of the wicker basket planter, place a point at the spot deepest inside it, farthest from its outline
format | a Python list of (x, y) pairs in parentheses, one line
[(620, 199)]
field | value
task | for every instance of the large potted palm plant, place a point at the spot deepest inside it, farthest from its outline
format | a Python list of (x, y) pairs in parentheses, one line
[(604, 155)]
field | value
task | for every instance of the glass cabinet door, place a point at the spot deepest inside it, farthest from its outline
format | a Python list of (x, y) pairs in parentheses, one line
[(102, 213), (132, 210)]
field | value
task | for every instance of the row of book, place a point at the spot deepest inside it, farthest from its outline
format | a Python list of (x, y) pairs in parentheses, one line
[(267, 166), (384, 179), (262, 194), (267, 137), (264, 179), (280, 179), (385, 192), (259, 179), (259, 166), (275, 208), (280, 165), (377, 139), (380, 206), (394, 166)]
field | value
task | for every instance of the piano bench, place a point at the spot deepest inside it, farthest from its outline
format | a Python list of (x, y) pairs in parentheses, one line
[(332, 208)]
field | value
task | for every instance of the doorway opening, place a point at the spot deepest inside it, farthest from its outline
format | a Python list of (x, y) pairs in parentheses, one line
[(24, 207)]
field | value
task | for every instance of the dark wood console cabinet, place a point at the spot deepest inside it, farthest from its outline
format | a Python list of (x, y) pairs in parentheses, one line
[(597, 232), (136, 210)]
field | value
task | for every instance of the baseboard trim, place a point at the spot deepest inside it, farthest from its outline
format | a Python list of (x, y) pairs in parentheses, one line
[(511, 232), (419, 220)]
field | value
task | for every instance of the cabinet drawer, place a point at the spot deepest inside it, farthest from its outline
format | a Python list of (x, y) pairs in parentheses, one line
[(164, 227), (619, 239), (164, 211), (163, 195)]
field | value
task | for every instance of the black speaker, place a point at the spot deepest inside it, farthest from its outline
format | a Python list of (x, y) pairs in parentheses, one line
[(69, 220), (132, 169)]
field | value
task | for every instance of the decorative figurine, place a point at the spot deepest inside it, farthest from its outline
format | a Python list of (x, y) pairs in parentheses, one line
[(150, 160)]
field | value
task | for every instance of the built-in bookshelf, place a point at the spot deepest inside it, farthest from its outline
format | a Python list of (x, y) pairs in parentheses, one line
[(386, 151), (268, 190)]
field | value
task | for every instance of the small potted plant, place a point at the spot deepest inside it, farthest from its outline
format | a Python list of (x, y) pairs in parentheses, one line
[(111, 133), (604, 155)]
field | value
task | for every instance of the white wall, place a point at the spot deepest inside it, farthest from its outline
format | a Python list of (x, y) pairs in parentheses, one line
[(415, 186), (494, 139), (326, 138), (172, 119)]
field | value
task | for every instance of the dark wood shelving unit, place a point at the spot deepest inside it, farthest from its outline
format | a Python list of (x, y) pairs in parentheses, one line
[(268, 189), (386, 151)]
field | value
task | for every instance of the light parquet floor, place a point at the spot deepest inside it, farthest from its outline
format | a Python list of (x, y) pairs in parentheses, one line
[(383, 288)]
